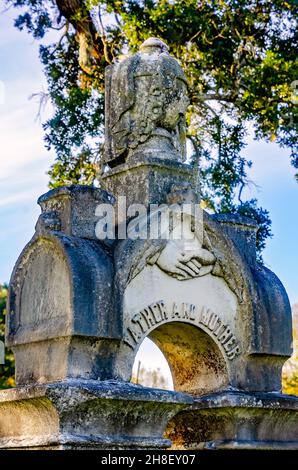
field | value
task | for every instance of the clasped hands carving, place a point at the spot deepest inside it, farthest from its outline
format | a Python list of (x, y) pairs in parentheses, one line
[(185, 259)]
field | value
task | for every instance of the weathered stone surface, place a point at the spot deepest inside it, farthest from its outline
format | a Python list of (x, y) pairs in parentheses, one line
[(71, 210), (69, 294), (146, 100), (234, 420), (88, 414), (147, 182), (242, 231), (61, 311)]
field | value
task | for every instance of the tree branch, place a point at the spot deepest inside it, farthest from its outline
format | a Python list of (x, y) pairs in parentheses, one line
[(103, 37), (210, 109), (78, 14), (60, 27), (213, 97), (43, 101), (197, 160), (66, 25)]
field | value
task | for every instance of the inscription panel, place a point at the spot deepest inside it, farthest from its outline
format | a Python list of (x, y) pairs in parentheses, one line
[(206, 302), (160, 312)]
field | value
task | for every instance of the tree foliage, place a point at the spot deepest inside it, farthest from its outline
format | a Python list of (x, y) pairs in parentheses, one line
[(6, 370), (290, 370), (240, 57)]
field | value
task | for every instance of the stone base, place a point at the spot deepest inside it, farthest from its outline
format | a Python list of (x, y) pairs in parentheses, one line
[(81, 414), (235, 420), (149, 180)]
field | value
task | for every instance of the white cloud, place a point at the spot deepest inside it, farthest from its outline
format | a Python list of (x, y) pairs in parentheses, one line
[(17, 197), (21, 134)]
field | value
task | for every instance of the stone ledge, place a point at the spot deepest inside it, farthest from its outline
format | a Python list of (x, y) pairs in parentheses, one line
[(91, 414), (107, 389), (87, 414), (237, 420), (234, 399), (167, 165)]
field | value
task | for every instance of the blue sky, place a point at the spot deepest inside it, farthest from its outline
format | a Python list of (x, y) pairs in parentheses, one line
[(24, 162)]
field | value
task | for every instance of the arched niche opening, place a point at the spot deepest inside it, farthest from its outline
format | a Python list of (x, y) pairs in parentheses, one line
[(196, 362), (151, 369)]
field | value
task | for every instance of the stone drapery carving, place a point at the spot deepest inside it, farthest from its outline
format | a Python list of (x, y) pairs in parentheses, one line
[(146, 100)]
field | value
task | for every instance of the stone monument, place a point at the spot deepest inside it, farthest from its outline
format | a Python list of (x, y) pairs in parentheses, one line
[(80, 305)]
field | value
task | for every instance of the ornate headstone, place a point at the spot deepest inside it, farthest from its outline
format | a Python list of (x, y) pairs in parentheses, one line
[(80, 304)]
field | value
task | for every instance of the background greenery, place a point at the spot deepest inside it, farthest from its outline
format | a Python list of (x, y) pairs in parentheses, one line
[(6, 370)]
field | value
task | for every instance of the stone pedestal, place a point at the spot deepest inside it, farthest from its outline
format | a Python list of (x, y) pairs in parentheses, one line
[(149, 181)]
